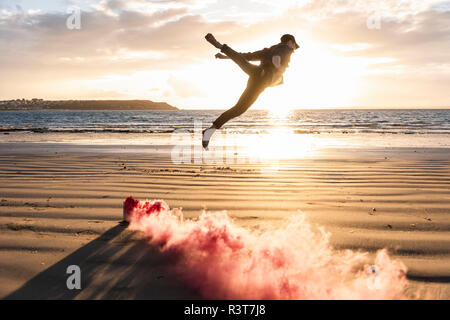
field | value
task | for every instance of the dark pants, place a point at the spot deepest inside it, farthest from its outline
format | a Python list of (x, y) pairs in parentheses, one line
[(255, 86)]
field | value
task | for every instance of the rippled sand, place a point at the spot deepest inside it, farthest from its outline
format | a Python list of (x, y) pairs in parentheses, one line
[(62, 205)]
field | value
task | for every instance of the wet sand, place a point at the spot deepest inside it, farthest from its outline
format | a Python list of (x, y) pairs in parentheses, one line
[(62, 205)]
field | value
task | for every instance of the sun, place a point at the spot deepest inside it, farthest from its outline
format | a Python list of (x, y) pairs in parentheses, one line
[(316, 78)]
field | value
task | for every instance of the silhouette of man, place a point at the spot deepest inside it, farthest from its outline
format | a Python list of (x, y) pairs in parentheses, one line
[(269, 73)]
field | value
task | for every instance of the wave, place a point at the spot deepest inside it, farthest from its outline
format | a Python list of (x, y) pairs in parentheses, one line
[(223, 260), (100, 130), (230, 130)]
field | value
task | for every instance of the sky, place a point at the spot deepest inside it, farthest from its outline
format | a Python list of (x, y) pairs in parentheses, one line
[(354, 53)]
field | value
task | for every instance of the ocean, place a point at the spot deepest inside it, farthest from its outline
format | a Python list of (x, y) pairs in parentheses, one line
[(412, 121)]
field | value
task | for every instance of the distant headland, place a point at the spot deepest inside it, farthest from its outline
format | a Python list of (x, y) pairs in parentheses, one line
[(41, 104)]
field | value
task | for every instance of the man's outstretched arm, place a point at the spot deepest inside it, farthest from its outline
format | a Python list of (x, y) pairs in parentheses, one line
[(221, 56)]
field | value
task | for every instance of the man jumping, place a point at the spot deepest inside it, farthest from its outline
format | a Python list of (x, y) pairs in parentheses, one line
[(269, 73)]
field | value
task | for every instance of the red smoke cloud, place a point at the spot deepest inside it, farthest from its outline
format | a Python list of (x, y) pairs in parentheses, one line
[(225, 261)]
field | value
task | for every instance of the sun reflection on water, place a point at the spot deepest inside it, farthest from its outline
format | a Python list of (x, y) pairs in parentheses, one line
[(280, 143)]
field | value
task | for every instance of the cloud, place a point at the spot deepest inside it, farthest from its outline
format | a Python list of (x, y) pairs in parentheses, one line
[(183, 88), (125, 37)]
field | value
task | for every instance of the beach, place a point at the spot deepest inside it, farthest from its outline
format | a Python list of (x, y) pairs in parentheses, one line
[(61, 205), (196, 150)]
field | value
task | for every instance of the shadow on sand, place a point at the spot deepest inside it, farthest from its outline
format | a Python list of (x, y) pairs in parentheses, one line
[(113, 266)]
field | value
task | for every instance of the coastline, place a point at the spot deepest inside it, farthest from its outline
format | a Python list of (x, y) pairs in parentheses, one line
[(91, 105)]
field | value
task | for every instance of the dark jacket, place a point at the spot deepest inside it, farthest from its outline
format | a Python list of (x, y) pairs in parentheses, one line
[(265, 56)]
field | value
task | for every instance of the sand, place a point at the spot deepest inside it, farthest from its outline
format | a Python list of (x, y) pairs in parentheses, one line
[(62, 205)]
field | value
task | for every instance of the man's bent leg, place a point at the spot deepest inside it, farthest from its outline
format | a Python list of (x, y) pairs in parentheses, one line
[(239, 59), (248, 97)]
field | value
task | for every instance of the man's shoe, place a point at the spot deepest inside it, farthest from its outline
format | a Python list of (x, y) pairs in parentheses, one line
[(210, 38), (206, 136)]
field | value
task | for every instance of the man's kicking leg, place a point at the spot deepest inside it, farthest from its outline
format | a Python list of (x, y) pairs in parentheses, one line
[(237, 58)]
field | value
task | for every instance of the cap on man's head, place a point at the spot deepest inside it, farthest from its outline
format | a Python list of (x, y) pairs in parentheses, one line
[(285, 38)]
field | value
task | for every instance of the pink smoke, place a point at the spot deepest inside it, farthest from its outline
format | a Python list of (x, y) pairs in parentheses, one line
[(225, 261)]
